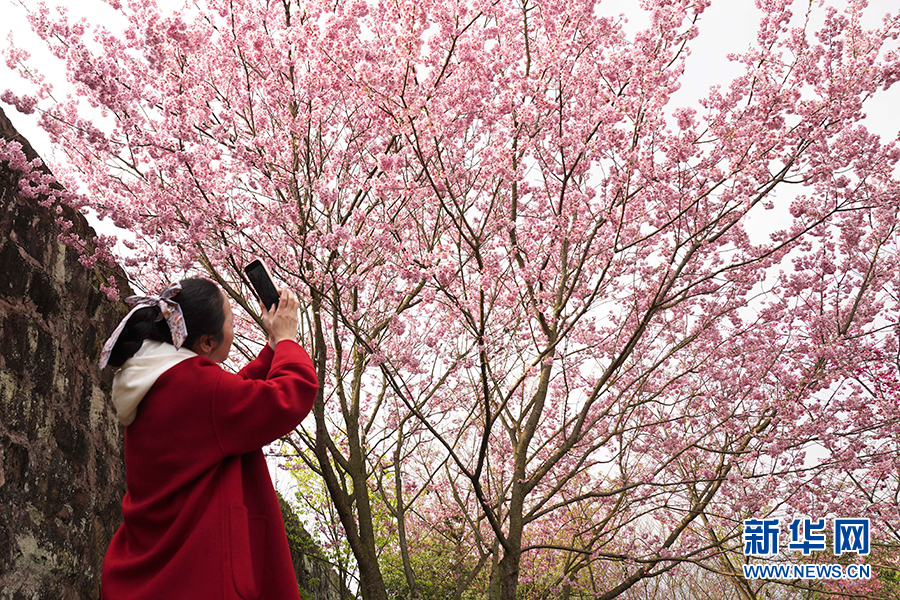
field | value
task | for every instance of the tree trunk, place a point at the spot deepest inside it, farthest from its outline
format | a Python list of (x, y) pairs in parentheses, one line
[(359, 529)]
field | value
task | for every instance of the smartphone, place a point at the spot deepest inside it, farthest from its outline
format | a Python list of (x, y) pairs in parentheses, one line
[(261, 280)]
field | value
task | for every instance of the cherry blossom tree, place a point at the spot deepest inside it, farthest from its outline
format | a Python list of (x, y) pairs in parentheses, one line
[(552, 340)]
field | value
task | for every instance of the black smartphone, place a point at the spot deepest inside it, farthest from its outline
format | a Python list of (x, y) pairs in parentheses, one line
[(261, 280)]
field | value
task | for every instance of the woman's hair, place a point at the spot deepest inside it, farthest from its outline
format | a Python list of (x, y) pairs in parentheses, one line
[(204, 314)]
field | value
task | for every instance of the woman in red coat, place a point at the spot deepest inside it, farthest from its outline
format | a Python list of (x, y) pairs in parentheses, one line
[(201, 519)]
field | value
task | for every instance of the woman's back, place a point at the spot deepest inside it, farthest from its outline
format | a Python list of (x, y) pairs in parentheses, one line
[(201, 518)]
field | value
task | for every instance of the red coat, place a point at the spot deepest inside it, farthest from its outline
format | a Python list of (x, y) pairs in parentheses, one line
[(201, 519)]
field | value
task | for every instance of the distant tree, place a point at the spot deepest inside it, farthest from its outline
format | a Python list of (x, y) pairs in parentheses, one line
[(543, 324)]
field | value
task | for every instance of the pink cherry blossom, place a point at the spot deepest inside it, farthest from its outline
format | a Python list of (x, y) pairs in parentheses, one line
[(553, 346)]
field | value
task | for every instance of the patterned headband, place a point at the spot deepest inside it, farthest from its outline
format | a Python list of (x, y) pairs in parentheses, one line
[(169, 310)]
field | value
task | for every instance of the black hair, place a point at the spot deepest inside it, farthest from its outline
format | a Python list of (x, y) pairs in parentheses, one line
[(204, 314)]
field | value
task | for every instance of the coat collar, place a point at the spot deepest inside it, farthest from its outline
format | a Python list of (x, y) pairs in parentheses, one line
[(140, 372)]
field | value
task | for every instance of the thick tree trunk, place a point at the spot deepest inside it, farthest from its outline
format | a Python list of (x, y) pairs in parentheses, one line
[(369, 571), (512, 555), (509, 575)]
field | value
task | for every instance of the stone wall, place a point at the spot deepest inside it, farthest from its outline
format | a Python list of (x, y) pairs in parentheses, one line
[(62, 475), (315, 577), (61, 471)]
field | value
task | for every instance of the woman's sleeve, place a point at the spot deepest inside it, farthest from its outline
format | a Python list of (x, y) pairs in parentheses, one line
[(258, 368), (250, 413)]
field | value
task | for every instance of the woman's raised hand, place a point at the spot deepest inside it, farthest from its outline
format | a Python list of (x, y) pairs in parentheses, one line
[(281, 323)]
